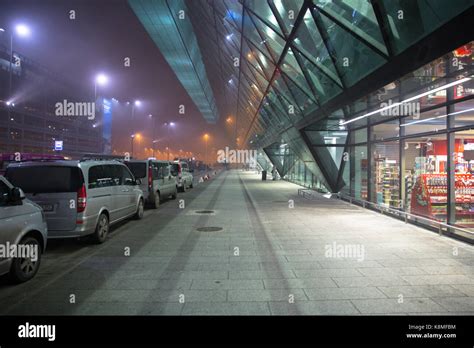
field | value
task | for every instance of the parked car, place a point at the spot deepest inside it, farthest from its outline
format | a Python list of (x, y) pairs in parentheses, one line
[(184, 177), (80, 198), (22, 222), (157, 183)]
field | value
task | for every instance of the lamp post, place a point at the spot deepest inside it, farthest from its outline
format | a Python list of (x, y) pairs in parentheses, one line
[(136, 103), (206, 139), (169, 125), (101, 80), (23, 31), (133, 136)]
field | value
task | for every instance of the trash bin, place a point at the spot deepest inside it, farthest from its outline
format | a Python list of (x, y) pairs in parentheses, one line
[(264, 175)]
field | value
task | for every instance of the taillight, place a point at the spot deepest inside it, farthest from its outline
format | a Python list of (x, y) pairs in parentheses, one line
[(179, 169), (81, 199), (150, 176)]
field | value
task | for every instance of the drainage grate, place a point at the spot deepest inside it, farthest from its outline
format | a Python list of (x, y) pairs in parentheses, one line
[(205, 212), (209, 229)]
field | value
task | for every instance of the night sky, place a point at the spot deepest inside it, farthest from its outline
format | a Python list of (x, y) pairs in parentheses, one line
[(102, 35)]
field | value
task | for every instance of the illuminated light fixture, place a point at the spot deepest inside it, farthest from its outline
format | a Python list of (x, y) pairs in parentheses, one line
[(407, 100), (2, 30), (228, 37), (101, 79), (137, 103), (230, 81), (22, 30), (434, 118)]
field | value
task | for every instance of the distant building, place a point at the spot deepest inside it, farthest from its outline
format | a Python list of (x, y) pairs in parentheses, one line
[(30, 123)]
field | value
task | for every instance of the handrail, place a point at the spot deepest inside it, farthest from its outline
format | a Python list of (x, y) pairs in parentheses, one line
[(382, 208), (405, 214)]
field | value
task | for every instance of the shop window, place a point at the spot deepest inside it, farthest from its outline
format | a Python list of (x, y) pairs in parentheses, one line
[(425, 178), (463, 114), (464, 179), (359, 136), (359, 167), (385, 174), (428, 121), (386, 130)]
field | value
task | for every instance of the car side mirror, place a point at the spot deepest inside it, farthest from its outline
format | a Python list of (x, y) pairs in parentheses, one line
[(138, 181), (17, 195)]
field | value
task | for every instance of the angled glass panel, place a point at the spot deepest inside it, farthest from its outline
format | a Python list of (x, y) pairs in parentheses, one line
[(263, 10), (304, 101), (265, 63), (291, 67), (325, 87), (358, 16), (292, 110), (329, 137), (234, 11), (330, 158), (274, 42), (252, 35), (260, 82), (288, 10), (251, 56), (355, 60), (309, 41), (271, 102), (409, 21), (282, 88)]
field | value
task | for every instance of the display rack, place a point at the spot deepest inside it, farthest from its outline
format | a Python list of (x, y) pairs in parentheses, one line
[(430, 197)]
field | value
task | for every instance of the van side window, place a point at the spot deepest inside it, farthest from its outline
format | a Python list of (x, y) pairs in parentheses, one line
[(155, 170), (4, 194), (116, 175), (96, 173), (166, 170), (127, 177), (100, 176)]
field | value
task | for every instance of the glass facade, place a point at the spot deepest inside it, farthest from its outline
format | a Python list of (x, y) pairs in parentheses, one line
[(300, 78), (419, 160)]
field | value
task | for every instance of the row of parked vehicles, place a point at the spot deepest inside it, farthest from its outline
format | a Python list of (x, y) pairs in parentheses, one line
[(52, 198)]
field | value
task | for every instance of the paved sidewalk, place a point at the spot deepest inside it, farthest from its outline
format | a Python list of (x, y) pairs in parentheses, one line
[(268, 258)]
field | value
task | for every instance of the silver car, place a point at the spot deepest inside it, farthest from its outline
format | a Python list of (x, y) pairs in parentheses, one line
[(80, 198), (157, 183), (183, 175), (22, 225)]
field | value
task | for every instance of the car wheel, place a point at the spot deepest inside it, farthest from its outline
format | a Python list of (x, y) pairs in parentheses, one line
[(140, 210), (157, 201), (184, 187), (102, 229), (23, 269), (175, 193)]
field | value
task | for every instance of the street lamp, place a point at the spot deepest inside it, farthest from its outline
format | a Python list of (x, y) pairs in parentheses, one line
[(136, 103), (101, 80), (133, 136), (22, 31), (206, 139), (169, 125)]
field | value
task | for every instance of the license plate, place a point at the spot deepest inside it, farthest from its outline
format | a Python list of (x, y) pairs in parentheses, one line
[(47, 207)]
